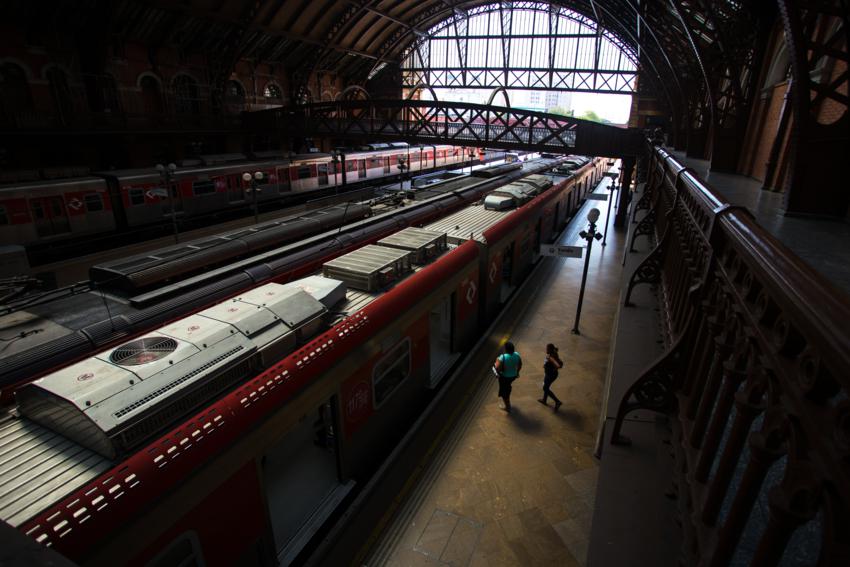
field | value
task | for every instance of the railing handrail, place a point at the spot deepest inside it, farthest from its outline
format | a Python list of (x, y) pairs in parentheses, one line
[(756, 374), (817, 304)]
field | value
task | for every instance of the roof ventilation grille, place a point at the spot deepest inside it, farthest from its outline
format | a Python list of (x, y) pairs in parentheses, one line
[(143, 351)]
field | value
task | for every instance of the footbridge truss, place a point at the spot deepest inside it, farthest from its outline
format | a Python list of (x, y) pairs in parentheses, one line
[(439, 122)]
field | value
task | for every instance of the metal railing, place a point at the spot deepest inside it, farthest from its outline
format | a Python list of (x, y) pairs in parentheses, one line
[(755, 379)]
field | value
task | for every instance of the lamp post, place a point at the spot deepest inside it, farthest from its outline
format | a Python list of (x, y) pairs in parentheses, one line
[(335, 159), (253, 179), (402, 166), (590, 235), (166, 172)]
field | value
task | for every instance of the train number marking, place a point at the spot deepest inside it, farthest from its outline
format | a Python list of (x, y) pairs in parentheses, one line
[(470, 292)]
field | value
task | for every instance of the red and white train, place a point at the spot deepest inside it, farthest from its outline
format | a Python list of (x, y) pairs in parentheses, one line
[(50, 211), (283, 416)]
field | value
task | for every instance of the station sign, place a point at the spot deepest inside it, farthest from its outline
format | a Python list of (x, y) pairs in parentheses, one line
[(597, 197), (562, 251)]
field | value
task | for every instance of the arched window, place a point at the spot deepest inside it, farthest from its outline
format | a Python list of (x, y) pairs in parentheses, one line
[(14, 89), (151, 95), (60, 93), (272, 92), (234, 94), (186, 95)]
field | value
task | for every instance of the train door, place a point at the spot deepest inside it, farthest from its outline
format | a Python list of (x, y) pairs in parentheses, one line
[(49, 215), (176, 200), (323, 174), (235, 189), (440, 337), (507, 272), (535, 246), (386, 165), (361, 169), (555, 218), (301, 480)]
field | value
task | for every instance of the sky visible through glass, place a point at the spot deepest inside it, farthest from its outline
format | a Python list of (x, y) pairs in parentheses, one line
[(577, 46)]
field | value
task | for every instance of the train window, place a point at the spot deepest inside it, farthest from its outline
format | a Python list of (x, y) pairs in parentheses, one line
[(94, 202), (304, 172), (137, 196), (184, 551), (376, 162), (4, 218), (391, 371), (203, 187), (323, 174), (350, 165)]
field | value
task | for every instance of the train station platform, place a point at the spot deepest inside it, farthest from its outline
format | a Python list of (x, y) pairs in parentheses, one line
[(519, 489), (821, 243)]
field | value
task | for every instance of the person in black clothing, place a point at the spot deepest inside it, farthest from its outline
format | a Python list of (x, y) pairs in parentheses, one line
[(550, 374)]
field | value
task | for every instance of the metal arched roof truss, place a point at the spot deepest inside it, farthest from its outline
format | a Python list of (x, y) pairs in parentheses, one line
[(521, 45)]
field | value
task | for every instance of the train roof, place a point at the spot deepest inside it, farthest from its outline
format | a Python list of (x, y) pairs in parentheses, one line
[(468, 224), (35, 484), (67, 184)]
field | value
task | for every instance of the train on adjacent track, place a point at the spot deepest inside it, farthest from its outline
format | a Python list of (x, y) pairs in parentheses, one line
[(129, 297), (105, 202), (232, 434)]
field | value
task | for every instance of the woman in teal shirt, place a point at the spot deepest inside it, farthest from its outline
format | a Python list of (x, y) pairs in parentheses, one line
[(507, 365)]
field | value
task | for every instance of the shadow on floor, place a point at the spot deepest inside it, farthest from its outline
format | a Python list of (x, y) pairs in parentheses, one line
[(524, 421), (570, 416)]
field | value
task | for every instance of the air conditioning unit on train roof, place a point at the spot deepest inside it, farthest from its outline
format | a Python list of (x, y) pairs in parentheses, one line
[(424, 245), (510, 196), (276, 303), (369, 268), (539, 182), (111, 402), (326, 290)]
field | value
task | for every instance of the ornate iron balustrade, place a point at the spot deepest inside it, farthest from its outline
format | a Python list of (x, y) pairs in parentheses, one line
[(755, 379), (430, 122)]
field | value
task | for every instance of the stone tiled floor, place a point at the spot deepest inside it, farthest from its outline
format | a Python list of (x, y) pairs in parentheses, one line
[(518, 489)]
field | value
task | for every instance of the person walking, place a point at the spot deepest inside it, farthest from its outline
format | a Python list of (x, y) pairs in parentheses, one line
[(507, 366), (551, 365)]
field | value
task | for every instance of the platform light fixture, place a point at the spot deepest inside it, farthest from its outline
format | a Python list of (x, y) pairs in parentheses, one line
[(166, 172), (589, 235), (253, 189)]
